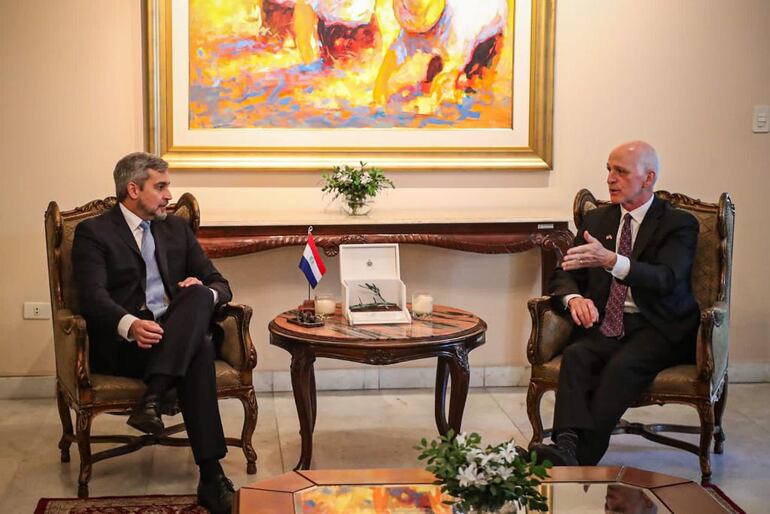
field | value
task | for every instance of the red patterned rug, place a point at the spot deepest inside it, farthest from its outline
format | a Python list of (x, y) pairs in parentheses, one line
[(158, 504)]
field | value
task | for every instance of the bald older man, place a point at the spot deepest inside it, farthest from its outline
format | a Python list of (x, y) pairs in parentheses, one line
[(626, 284)]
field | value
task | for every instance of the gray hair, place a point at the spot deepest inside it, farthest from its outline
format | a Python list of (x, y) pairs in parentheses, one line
[(134, 168), (646, 157)]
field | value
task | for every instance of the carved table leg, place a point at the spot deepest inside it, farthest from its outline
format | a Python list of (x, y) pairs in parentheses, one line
[(461, 377), (442, 374), (313, 398), (304, 397)]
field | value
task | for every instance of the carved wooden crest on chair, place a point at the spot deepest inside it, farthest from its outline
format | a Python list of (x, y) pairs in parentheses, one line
[(90, 394), (702, 385)]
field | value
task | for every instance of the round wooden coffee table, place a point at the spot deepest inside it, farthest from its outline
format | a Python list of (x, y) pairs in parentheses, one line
[(448, 334)]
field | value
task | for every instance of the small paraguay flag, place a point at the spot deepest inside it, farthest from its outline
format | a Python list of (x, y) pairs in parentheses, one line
[(310, 263)]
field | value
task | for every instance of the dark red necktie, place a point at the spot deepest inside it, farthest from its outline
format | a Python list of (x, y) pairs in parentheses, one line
[(612, 324)]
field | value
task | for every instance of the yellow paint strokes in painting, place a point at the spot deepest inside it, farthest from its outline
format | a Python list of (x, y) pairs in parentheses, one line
[(239, 64)]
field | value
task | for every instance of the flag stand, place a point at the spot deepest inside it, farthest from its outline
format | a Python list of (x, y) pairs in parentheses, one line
[(312, 266)]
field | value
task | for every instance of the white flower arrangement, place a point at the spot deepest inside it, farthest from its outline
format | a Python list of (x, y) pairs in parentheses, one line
[(485, 478)]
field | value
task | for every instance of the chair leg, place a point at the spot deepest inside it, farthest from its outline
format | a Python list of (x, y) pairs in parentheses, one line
[(534, 395), (250, 412), (67, 435), (84, 446), (719, 410), (706, 413)]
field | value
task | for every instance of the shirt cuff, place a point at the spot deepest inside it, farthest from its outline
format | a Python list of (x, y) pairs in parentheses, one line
[(567, 297), (216, 295), (621, 268), (124, 325)]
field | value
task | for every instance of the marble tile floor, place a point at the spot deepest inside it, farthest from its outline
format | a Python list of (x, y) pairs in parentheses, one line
[(360, 429)]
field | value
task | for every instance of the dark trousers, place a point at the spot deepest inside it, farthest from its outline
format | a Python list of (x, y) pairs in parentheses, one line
[(601, 377), (186, 352)]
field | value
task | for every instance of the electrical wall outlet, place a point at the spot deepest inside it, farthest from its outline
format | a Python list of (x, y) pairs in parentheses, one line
[(37, 310)]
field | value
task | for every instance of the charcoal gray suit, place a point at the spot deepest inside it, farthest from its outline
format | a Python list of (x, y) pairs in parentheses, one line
[(110, 273)]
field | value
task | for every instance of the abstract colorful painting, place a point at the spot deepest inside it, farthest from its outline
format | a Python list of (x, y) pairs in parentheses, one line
[(319, 64)]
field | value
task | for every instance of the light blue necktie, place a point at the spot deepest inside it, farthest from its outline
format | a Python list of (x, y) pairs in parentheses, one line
[(153, 290)]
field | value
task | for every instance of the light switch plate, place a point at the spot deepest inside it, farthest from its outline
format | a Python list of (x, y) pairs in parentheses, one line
[(760, 120)]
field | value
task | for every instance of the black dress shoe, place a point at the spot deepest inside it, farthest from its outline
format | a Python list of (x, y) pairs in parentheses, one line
[(523, 453), (146, 416), (169, 403), (557, 456), (216, 495)]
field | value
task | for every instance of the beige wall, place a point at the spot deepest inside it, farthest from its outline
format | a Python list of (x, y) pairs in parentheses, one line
[(682, 75)]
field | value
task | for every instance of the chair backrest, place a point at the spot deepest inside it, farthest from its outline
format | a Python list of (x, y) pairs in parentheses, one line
[(712, 268), (60, 231)]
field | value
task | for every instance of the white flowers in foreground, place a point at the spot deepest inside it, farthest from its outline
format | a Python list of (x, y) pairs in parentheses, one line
[(483, 478), (483, 466)]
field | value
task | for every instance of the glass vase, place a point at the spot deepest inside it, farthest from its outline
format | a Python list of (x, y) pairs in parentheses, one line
[(356, 207)]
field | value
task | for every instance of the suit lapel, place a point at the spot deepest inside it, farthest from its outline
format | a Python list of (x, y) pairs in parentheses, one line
[(609, 228), (607, 231), (123, 231), (648, 226)]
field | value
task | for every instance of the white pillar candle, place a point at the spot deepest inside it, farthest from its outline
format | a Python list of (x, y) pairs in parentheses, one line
[(325, 306), (422, 304)]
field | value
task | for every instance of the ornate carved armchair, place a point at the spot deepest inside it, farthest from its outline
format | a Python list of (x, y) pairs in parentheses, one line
[(90, 394), (702, 385)]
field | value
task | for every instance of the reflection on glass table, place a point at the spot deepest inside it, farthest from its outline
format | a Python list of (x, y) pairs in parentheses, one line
[(573, 498)]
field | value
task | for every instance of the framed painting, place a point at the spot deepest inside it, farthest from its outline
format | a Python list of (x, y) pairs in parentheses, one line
[(307, 84)]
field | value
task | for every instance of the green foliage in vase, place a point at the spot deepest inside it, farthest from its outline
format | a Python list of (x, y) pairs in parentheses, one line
[(355, 184), (485, 478)]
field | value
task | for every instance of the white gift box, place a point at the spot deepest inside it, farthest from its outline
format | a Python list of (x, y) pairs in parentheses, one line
[(372, 290)]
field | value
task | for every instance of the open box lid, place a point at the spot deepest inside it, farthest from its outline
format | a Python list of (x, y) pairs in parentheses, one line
[(369, 261)]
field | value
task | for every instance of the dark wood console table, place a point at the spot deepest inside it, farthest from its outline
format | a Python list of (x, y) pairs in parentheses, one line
[(480, 232)]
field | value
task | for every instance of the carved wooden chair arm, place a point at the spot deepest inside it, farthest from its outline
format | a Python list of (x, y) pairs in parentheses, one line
[(551, 330), (237, 348), (712, 344), (71, 348)]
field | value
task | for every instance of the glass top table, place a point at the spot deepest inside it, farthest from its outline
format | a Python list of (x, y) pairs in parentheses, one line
[(410, 491)]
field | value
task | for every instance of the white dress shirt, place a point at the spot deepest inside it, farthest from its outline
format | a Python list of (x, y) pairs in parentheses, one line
[(135, 225), (623, 263)]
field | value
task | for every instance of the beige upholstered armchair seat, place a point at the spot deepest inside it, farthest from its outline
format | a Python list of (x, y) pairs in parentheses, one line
[(703, 384), (91, 394)]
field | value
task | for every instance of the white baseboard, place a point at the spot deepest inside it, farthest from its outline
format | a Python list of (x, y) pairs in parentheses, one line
[(368, 378)]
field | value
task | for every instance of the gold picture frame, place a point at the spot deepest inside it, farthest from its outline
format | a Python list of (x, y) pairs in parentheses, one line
[(528, 147)]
